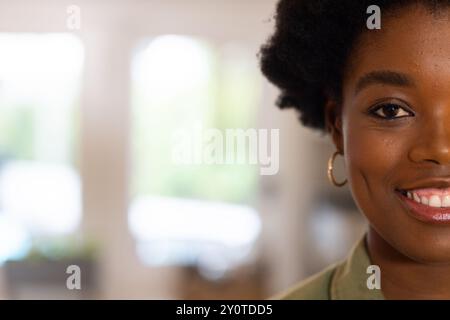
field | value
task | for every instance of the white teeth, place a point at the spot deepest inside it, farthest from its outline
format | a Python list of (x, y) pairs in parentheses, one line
[(435, 201), (446, 201), (424, 200)]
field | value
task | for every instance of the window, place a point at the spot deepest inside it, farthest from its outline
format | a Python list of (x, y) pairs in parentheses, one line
[(39, 183), (191, 214)]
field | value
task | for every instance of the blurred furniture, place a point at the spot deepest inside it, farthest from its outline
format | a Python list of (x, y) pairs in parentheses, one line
[(245, 283), (46, 279)]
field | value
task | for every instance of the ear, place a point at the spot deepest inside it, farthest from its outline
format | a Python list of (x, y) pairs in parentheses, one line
[(333, 123)]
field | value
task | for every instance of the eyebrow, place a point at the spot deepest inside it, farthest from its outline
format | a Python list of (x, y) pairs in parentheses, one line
[(384, 77)]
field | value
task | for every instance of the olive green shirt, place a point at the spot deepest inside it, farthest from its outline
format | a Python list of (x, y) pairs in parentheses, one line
[(345, 280)]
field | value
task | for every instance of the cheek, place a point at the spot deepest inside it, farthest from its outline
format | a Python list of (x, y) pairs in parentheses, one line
[(374, 153), (374, 159)]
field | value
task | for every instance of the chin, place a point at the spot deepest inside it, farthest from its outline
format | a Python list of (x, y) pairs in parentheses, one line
[(430, 249)]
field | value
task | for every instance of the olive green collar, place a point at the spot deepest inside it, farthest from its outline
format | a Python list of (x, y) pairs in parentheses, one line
[(349, 280)]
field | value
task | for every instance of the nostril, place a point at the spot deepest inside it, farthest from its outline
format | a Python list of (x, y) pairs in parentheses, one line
[(432, 160), (436, 152)]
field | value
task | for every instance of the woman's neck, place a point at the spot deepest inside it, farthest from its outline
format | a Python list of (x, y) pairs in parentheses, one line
[(404, 278)]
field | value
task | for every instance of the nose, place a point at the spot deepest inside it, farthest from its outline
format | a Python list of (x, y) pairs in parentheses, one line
[(433, 139)]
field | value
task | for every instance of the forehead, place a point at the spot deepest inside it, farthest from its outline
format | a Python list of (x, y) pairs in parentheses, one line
[(412, 41)]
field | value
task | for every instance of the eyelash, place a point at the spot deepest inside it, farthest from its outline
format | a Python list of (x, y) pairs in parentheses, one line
[(374, 109)]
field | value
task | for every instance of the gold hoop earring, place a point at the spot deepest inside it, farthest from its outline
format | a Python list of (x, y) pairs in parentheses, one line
[(330, 171)]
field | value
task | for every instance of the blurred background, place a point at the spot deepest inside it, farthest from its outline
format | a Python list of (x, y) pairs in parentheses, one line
[(91, 93)]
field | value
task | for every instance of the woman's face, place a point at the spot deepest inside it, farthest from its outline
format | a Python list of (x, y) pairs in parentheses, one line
[(400, 73)]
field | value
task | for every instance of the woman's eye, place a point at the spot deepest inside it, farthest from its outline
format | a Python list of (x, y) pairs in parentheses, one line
[(390, 111)]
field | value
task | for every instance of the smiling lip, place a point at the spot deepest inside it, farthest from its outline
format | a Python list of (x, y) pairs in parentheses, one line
[(423, 212)]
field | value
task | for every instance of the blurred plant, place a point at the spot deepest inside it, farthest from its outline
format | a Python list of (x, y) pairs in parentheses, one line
[(61, 248)]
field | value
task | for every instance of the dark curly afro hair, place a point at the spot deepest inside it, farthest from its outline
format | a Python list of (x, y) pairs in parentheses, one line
[(307, 55)]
